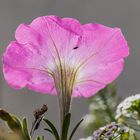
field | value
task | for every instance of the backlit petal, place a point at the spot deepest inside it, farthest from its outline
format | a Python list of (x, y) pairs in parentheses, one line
[(53, 55)]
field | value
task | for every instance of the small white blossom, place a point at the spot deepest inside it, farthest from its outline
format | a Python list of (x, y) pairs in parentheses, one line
[(123, 108), (110, 131)]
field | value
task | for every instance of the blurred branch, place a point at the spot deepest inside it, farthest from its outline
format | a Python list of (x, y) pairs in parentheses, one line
[(108, 109), (102, 107)]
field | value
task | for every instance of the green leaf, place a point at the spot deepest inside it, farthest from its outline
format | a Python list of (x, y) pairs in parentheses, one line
[(46, 129), (43, 138), (65, 127), (112, 89), (12, 121), (40, 138), (75, 128), (54, 130), (25, 129), (4, 115)]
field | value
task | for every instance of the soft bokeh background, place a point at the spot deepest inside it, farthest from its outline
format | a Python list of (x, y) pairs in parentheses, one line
[(121, 13)]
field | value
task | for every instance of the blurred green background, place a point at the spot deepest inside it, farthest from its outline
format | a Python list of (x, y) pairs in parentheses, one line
[(121, 13)]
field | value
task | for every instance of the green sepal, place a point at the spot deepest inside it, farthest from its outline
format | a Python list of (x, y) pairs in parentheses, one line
[(50, 131), (12, 121), (40, 138), (53, 129), (4, 115), (75, 128), (25, 129)]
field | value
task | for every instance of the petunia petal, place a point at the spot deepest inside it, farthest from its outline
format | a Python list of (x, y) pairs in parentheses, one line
[(103, 43), (101, 50), (22, 68), (93, 80), (73, 25), (26, 35), (36, 53), (51, 45)]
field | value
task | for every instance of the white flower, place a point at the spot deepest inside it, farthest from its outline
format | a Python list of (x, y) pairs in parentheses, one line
[(124, 107)]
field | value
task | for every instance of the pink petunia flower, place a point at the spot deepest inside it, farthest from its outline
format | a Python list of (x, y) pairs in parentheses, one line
[(62, 57)]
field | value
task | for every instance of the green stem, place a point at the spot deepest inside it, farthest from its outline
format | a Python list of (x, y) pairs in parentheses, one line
[(135, 137), (108, 110)]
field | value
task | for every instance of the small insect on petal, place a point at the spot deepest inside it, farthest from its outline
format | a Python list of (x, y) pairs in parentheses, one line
[(75, 48)]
